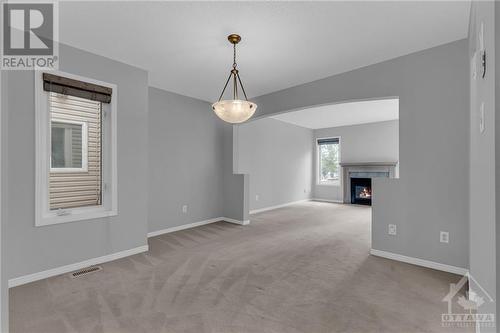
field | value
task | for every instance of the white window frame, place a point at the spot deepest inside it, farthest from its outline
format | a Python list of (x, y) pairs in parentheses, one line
[(109, 206), (85, 132), (335, 182)]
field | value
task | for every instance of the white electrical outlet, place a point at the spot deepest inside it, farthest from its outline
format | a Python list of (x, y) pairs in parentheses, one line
[(392, 230), (256, 197), (184, 209), (444, 237), (481, 118)]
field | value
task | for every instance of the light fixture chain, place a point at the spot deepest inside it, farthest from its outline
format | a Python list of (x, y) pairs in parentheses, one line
[(234, 55)]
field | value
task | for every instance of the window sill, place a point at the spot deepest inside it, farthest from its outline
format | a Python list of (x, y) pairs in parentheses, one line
[(337, 183), (68, 170), (89, 214)]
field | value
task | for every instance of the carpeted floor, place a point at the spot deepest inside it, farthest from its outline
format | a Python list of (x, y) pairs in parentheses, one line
[(304, 268)]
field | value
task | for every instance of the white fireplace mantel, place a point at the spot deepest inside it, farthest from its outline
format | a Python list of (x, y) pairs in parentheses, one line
[(367, 164), (350, 167)]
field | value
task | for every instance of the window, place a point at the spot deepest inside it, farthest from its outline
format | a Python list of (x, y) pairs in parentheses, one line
[(68, 144), (76, 148), (328, 161), (72, 183)]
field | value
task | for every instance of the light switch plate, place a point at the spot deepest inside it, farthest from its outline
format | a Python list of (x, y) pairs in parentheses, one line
[(392, 230), (184, 209)]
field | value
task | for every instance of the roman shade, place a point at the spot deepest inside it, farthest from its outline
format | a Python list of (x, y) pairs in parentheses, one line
[(328, 141), (76, 88)]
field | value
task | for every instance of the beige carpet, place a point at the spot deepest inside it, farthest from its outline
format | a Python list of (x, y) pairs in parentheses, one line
[(304, 268)]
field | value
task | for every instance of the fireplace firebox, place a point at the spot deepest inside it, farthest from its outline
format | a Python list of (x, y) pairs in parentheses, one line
[(361, 191)]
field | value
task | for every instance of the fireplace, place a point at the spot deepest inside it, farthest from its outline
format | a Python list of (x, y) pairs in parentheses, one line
[(361, 191), (358, 176)]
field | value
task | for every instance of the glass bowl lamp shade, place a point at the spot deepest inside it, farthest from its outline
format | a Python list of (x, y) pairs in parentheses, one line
[(235, 110)]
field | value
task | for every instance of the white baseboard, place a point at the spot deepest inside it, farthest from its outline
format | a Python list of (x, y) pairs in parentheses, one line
[(184, 226), (419, 262), (260, 210), (327, 200), (230, 220), (73, 267), (196, 224)]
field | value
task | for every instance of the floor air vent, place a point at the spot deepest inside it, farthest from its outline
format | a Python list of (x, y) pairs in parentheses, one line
[(85, 271)]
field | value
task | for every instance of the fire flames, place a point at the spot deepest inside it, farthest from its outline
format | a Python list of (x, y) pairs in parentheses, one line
[(365, 193)]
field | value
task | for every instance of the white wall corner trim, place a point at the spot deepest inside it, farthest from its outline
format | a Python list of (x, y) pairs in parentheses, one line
[(260, 210), (183, 227), (227, 219), (327, 200), (420, 262), (76, 266)]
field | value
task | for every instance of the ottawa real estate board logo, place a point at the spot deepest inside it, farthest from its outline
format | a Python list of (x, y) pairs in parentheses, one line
[(465, 310), (30, 35)]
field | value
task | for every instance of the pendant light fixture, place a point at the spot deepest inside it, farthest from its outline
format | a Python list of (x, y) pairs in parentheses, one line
[(236, 110)]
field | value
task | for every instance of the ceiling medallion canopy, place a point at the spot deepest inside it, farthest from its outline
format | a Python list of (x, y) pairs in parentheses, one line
[(236, 110)]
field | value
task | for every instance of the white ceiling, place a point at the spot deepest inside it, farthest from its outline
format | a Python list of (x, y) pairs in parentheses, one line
[(184, 46), (343, 114)]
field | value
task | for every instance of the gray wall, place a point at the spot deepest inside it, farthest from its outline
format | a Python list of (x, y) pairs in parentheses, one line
[(186, 147), (482, 160), (33, 249), (277, 156), (191, 163), (236, 185), (374, 142), (433, 89)]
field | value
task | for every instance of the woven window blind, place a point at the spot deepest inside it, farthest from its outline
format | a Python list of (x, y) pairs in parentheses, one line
[(70, 87)]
